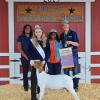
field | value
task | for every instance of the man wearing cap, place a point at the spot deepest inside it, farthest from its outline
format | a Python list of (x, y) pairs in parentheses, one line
[(69, 38)]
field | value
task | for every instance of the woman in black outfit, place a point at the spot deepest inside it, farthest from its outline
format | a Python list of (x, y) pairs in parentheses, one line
[(38, 50)]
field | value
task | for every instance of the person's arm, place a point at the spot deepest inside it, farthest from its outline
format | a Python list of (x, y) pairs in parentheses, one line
[(60, 43), (47, 51), (30, 54), (21, 51), (75, 41), (72, 43)]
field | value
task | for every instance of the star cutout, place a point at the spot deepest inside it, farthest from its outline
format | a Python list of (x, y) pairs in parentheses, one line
[(71, 10), (28, 10)]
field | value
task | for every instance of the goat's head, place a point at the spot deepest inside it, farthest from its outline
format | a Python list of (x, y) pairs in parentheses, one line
[(39, 65)]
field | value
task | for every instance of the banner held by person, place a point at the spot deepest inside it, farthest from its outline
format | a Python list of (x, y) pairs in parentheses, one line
[(66, 57)]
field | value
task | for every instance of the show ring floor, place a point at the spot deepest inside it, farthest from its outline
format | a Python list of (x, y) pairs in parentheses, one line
[(15, 92)]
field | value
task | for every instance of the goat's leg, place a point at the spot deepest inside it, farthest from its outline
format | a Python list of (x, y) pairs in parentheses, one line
[(42, 91), (72, 91), (69, 87)]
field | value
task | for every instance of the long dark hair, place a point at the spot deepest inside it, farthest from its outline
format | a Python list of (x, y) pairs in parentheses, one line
[(56, 38), (31, 31)]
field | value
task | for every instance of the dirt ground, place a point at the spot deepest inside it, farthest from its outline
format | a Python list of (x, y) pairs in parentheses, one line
[(15, 92)]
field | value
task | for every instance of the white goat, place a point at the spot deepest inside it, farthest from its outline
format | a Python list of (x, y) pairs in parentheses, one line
[(54, 82)]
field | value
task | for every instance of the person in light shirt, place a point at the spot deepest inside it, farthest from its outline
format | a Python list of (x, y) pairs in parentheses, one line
[(70, 38)]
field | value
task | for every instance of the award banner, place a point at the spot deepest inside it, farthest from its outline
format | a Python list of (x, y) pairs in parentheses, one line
[(66, 57)]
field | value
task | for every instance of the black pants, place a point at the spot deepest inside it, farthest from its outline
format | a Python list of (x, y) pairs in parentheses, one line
[(54, 68), (33, 84), (26, 66)]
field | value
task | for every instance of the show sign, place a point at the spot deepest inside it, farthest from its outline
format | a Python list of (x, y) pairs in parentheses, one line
[(49, 13)]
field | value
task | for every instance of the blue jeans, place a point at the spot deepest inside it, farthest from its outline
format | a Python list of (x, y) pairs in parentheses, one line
[(75, 69)]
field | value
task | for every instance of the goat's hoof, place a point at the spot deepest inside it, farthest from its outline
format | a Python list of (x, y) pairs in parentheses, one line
[(38, 90)]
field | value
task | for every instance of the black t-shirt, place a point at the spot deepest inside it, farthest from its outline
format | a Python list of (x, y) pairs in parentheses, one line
[(25, 41)]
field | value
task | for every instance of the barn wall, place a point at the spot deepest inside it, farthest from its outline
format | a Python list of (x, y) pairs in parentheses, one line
[(95, 41), (4, 73)]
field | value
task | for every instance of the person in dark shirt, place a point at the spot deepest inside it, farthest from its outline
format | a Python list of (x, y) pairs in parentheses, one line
[(69, 38), (23, 43), (38, 50)]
